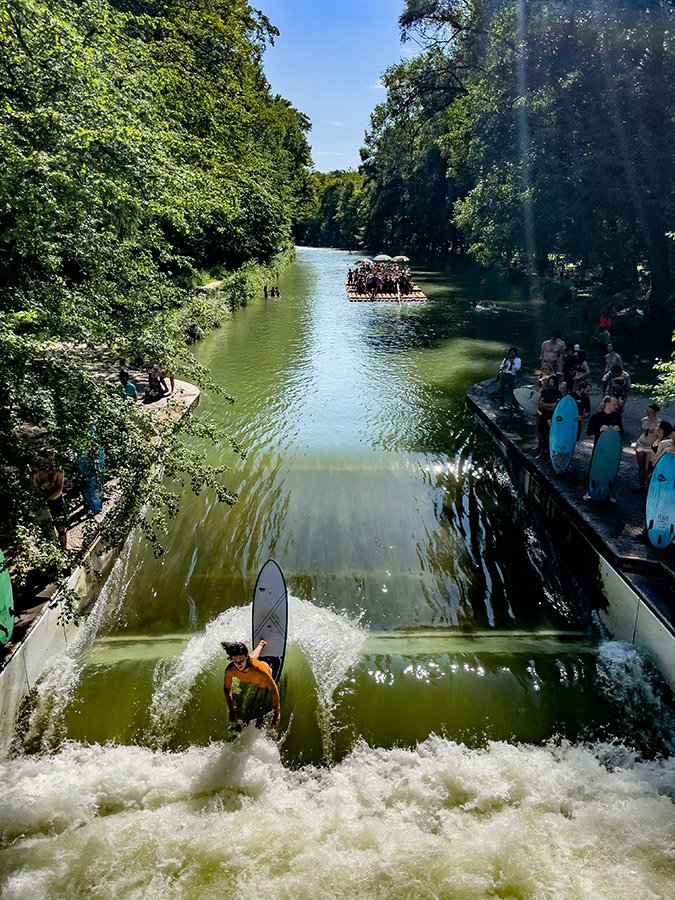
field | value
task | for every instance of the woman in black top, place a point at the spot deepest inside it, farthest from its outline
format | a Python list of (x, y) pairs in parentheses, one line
[(609, 416), (548, 399)]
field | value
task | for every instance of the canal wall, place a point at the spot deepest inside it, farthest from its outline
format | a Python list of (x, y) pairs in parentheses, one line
[(41, 631), (630, 585)]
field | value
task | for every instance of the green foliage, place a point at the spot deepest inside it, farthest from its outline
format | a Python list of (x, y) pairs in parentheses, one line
[(141, 145), (553, 124), (334, 212)]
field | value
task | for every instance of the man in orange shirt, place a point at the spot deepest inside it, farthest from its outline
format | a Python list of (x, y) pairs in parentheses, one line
[(247, 667)]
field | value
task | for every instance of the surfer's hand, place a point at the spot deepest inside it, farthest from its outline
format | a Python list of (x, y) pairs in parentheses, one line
[(276, 720), (234, 724)]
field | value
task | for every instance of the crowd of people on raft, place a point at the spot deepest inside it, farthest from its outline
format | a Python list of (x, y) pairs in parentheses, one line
[(380, 278), (564, 370)]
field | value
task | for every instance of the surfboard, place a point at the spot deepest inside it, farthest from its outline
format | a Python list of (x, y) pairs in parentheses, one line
[(563, 436), (528, 398), (6, 603), (660, 509), (270, 616), (92, 470), (604, 464)]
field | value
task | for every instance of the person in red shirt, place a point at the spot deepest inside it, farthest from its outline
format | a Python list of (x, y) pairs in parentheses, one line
[(249, 668)]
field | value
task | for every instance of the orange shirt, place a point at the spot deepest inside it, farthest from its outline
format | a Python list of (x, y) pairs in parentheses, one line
[(258, 673)]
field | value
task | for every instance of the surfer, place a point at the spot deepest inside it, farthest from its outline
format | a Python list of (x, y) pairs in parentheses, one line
[(249, 668)]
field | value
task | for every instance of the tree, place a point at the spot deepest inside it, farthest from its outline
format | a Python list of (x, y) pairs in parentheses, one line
[(140, 145)]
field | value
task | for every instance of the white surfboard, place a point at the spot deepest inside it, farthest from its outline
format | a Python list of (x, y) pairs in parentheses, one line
[(528, 398), (270, 615)]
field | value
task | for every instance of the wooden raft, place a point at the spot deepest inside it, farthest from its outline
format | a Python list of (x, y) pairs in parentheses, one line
[(415, 295)]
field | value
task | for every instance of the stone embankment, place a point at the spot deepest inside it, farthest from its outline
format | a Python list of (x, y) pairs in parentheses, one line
[(631, 583), (39, 631)]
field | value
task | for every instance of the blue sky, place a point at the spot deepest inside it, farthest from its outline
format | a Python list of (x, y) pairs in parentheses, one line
[(327, 61)]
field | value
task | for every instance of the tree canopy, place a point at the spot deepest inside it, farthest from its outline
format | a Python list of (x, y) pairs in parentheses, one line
[(141, 147), (526, 131)]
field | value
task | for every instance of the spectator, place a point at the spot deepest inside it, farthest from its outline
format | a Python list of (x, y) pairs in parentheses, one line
[(608, 416), (582, 396), (552, 352), (49, 479), (616, 383), (663, 443), (128, 386), (582, 370), (643, 446), (155, 389), (570, 361), (611, 358), (548, 399), (509, 368)]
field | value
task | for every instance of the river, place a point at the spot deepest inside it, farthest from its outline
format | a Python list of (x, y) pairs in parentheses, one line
[(455, 723)]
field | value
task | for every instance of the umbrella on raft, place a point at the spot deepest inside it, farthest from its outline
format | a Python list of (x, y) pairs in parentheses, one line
[(382, 257), (400, 259)]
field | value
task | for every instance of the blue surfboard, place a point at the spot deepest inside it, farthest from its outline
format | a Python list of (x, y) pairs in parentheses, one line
[(604, 464), (563, 436), (660, 510), (92, 470)]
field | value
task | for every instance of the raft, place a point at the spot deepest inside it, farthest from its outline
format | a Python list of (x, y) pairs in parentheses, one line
[(414, 295)]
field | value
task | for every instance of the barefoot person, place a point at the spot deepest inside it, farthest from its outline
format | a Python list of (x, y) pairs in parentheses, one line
[(249, 668)]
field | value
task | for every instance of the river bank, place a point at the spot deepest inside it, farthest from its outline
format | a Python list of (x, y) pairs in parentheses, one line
[(610, 528)]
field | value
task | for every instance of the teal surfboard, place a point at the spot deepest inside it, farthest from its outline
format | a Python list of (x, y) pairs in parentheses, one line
[(563, 436), (270, 616), (6, 603), (92, 468), (528, 398), (604, 464), (660, 510)]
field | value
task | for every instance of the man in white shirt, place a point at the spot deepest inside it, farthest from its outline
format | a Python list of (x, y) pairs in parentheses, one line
[(507, 378)]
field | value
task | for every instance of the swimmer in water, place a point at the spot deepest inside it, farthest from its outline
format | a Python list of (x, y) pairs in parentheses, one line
[(249, 668)]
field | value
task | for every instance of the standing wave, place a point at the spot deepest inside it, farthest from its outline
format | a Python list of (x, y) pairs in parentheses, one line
[(439, 820)]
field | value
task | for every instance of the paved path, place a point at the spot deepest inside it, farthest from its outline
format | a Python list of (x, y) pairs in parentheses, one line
[(615, 524)]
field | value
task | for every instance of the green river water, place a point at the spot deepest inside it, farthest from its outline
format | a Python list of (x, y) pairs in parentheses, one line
[(455, 723)]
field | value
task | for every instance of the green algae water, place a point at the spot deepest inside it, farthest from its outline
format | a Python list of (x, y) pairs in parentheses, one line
[(454, 722)]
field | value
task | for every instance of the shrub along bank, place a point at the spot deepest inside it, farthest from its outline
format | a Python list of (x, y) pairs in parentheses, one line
[(141, 146)]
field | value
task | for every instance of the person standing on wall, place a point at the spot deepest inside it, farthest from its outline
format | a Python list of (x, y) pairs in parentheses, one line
[(553, 352), (510, 366), (49, 479)]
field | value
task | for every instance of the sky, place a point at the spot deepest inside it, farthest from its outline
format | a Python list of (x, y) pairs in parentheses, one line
[(327, 62)]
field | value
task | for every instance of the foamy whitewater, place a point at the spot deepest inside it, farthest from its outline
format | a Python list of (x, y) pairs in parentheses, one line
[(435, 821), (438, 820)]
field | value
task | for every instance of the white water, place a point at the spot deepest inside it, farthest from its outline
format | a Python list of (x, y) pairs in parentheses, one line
[(330, 643), (62, 673), (436, 821)]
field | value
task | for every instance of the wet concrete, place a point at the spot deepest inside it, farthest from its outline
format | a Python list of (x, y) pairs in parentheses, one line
[(609, 527)]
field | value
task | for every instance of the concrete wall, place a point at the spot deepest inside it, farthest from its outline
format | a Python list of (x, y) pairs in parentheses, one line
[(46, 637), (624, 611)]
